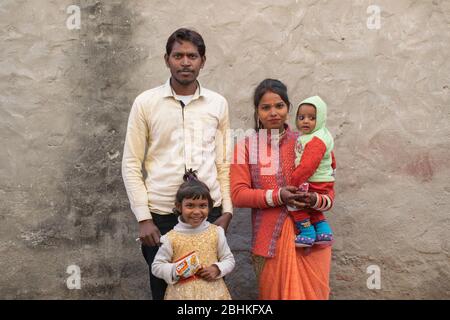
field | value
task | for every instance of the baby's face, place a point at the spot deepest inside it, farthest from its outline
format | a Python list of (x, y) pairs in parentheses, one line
[(306, 118)]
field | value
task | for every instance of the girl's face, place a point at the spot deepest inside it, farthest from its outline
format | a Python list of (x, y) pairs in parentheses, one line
[(272, 111), (193, 212), (306, 118)]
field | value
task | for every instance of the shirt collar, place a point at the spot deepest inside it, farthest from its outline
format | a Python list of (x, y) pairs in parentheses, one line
[(168, 91)]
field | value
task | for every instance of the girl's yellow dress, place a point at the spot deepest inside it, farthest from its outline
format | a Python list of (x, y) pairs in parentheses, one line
[(205, 244)]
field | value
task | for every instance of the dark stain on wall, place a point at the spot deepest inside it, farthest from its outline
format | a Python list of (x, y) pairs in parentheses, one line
[(94, 209), (94, 189)]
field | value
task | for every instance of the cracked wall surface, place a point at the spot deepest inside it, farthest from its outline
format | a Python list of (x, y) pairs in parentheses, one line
[(65, 96)]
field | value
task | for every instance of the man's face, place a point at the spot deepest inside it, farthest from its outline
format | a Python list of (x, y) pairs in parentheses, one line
[(184, 62)]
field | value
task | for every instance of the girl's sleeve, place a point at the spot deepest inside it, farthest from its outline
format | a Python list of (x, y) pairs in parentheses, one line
[(310, 161), (226, 259), (242, 193), (162, 266)]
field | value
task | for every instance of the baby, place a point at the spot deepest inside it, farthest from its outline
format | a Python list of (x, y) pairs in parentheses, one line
[(314, 172)]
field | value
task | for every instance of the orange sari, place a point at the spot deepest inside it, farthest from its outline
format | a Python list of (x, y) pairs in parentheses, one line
[(294, 274)]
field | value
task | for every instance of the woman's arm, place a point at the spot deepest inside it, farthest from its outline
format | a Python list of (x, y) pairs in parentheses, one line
[(242, 193), (322, 201)]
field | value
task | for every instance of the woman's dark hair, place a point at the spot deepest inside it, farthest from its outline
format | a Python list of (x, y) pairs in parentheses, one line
[(272, 85), (192, 188), (184, 34)]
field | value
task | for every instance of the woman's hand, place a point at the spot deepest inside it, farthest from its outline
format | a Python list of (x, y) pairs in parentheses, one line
[(294, 198), (288, 195), (305, 199)]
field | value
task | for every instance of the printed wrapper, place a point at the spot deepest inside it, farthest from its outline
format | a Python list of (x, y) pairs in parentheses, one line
[(188, 265), (304, 187)]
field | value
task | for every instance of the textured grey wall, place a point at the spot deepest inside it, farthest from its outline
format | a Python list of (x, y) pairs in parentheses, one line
[(65, 96)]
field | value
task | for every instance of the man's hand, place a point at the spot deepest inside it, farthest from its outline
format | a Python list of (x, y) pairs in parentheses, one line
[(224, 220), (149, 233), (209, 273)]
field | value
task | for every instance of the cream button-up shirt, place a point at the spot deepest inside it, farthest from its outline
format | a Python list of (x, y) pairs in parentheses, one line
[(163, 139)]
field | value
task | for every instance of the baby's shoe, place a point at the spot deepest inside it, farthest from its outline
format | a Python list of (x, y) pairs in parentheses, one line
[(307, 234), (324, 235)]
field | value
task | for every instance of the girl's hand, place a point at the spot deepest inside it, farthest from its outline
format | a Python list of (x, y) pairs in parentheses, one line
[(209, 273)]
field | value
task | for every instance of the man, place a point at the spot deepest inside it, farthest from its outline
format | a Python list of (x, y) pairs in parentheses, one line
[(173, 128)]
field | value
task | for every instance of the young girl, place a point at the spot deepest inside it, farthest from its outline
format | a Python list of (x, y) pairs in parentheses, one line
[(194, 233), (315, 171)]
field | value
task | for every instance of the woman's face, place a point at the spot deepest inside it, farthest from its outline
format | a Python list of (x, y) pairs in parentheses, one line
[(272, 111)]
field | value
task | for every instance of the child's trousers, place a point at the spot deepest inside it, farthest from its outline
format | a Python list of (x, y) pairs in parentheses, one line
[(301, 215)]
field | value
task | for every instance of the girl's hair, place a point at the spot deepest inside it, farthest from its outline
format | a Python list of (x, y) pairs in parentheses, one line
[(192, 188), (272, 85)]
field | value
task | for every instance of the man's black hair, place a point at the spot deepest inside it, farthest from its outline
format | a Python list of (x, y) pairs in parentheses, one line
[(184, 34)]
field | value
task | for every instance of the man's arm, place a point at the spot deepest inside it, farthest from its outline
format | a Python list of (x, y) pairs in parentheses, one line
[(223, 153), (132, 160)]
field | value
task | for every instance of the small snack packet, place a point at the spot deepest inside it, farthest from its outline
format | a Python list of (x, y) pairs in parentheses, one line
[(188, 265), (304, 187)]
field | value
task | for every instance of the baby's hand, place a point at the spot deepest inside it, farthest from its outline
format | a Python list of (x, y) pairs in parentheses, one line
[(209, 273)]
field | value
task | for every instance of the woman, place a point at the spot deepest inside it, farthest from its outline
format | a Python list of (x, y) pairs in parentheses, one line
[(260, 179)]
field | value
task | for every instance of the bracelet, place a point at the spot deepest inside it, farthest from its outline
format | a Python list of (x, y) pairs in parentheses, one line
[(276, 198), (269, 199), (328, 204), (318, 198), (323, 202), (279, 197)]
